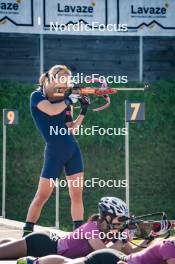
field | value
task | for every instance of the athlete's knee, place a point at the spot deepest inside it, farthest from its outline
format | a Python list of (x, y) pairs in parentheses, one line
[(76, 195), (40, 199)]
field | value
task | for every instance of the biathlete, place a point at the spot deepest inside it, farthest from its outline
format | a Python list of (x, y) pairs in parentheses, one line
[(61, 150), (162, 252), (95, 234)]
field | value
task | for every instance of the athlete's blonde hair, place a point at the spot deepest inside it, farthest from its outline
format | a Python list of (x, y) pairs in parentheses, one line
[(56, 71)]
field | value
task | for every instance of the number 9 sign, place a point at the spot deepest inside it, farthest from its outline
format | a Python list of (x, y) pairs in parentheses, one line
[(10, 117), (135, 111)]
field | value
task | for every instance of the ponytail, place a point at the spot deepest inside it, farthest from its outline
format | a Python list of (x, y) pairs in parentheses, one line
[(94, 217), (46, 78), (43, 78)]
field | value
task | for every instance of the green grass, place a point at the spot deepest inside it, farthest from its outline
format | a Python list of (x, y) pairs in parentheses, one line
[(152, 148)]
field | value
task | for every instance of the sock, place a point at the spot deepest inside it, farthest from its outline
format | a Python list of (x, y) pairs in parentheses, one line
[(28, 228), (77, 224), (28, 260)]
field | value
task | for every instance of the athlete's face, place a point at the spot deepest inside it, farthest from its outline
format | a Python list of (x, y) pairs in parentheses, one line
[(116, 224), (63, 82), (57, 85)]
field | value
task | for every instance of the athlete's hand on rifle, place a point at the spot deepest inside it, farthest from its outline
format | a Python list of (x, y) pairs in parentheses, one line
[(72, 99), (85, 102), (160, 228)]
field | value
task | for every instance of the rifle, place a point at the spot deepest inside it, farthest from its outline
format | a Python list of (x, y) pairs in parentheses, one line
[(103, 91), (155, 227)]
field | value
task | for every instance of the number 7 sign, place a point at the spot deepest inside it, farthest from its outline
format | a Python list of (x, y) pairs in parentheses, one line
[(135, 111)]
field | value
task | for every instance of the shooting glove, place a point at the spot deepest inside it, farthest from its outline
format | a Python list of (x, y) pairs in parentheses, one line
[(72, 99), (85, 102), (160, 228)]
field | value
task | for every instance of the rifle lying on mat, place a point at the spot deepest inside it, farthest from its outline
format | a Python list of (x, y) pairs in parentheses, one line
[(150, 229), (103, 91)]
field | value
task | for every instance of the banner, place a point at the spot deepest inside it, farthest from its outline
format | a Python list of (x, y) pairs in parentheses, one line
[(71, 12), (16, 15), (150, 17), (89, 17)]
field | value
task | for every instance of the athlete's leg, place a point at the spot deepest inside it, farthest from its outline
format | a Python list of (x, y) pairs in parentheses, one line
[(43, 193), (77, 261), (6, 240), (75, 183), (52, 259), (12, 250), (60, 260), (75, 176)]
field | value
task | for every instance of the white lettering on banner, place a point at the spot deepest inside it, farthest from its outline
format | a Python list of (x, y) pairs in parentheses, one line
[(147, 17)]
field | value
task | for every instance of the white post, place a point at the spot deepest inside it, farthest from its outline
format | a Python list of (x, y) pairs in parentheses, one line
[(127, 159), (140, 58), (41, 53), (4, 172), (57, 222)]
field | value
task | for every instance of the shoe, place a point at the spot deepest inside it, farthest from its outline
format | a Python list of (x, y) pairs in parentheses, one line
[(26, 260), (28, 228)]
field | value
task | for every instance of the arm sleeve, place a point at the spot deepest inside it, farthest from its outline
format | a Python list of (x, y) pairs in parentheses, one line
[(167, 250), (68, 117), (91, 231), (36, 98)]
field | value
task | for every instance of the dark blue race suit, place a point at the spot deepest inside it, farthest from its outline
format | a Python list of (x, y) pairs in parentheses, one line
[(61, 150)]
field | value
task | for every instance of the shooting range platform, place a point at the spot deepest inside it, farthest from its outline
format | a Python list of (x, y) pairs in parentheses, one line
[(13, 229)]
